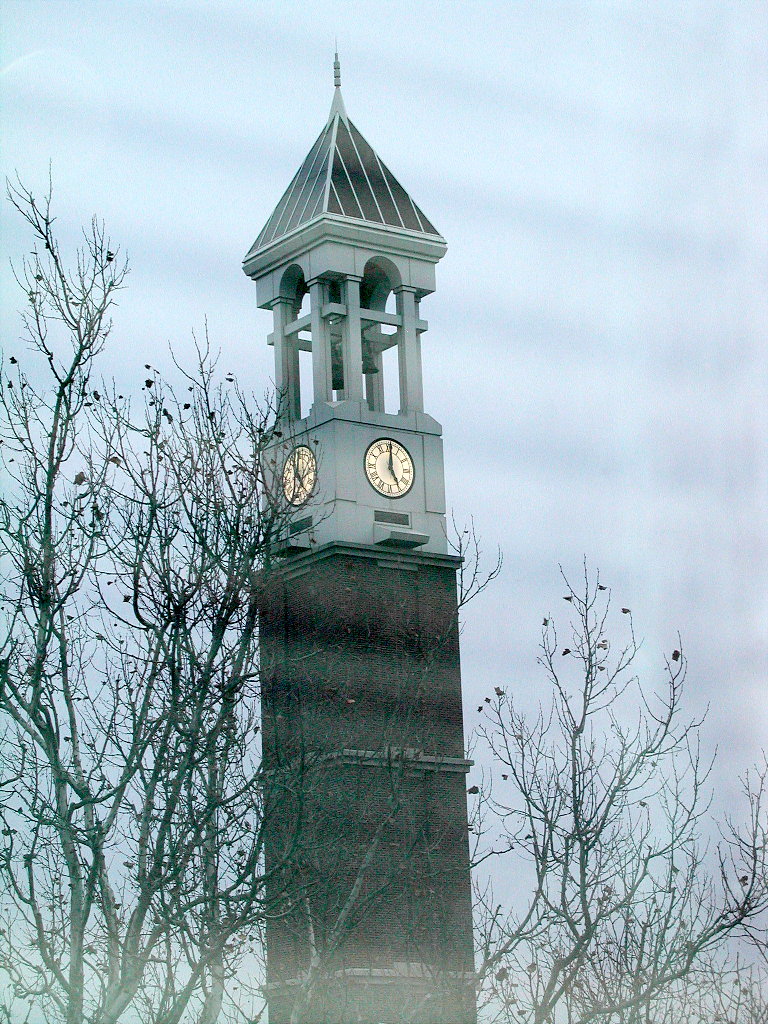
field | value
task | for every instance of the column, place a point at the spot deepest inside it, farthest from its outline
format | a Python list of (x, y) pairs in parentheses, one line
[(321, 347), (287, 381), (409, 352), (352, 343)]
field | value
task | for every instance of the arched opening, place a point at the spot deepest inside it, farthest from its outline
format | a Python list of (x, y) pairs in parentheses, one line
[(293, 287), (380, 278), (380, 367)]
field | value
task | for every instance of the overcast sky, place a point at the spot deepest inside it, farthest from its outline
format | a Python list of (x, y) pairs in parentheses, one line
[(597, 343)]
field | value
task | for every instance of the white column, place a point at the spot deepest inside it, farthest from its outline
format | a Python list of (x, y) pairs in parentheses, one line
[(409, 352), (321, 347), (352, 343), (286, 360)]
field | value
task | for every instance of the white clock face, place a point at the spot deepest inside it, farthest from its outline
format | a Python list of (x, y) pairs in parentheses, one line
[(299, 475), (389, 468)]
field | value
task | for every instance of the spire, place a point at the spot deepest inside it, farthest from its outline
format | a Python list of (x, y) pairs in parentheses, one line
[(337, 107), (342, 177)]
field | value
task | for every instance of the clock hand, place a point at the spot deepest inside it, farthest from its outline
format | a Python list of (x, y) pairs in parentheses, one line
[(389, 463), (299, 476)]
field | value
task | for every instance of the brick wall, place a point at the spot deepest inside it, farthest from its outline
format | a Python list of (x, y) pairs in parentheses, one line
[(361, 687)]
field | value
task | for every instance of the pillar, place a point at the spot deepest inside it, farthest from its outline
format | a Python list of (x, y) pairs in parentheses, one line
[(352, 343), (409, 352), (321, 344), (287, 381)]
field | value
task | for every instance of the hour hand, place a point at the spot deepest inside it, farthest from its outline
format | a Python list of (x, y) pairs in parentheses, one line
[(390, 464)]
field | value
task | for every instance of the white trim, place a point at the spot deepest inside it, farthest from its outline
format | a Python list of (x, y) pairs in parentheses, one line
[(401, 241)]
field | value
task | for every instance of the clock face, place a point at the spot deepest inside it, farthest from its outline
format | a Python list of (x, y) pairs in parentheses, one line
[(299, 475), (389, 468)]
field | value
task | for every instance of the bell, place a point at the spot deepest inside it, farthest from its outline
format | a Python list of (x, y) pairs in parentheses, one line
[(337, 365), (369, 364)]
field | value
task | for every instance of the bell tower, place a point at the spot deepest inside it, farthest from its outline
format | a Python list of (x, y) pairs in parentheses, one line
[(359, 637), (348, 242)]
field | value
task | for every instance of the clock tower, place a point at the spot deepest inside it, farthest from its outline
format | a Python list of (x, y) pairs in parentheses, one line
[(359, 633)]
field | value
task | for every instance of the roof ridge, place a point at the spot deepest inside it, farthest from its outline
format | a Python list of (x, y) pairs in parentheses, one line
[(331, 158)]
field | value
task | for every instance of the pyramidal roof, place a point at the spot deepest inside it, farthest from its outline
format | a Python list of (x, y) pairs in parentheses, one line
[(342, 175)]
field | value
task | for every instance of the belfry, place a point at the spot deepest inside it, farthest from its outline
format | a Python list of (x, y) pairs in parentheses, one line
[(359, 636)]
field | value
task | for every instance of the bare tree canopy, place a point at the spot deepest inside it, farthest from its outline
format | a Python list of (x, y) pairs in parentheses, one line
[(134, 548), (598, 808)]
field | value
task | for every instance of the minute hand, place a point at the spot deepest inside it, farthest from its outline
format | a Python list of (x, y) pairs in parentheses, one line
[(391, 465)]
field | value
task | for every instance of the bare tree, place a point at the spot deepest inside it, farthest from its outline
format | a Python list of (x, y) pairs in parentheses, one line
[(723, 988), (135, 549), (600, 815), (52, 534)]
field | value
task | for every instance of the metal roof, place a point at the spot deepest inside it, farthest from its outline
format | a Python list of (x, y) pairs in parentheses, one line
[(342, 175)]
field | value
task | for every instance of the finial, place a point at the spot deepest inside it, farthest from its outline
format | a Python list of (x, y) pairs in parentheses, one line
[(337, 69), (337, 106)]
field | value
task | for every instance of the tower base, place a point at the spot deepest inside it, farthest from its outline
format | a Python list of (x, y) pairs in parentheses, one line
[(360, 663)]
